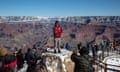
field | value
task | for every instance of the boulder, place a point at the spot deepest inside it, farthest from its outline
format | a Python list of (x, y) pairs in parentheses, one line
[(58, 62)]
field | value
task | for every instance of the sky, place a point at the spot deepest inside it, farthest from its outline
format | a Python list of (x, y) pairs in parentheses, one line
[(59, 7)]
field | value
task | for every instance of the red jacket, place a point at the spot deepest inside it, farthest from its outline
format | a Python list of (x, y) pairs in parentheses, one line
[(57, 31), (13, 63)]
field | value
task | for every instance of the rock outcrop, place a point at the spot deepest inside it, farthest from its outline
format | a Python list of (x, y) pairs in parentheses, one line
[(59, 62)]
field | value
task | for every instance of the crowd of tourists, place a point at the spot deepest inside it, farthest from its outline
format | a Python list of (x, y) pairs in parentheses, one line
[(14, 62), (84, 61)]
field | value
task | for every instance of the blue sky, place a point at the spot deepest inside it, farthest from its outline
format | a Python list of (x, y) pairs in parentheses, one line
[(59, 7)]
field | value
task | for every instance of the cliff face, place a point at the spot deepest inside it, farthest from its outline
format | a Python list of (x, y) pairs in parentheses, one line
[(27, 30), (74, 19)]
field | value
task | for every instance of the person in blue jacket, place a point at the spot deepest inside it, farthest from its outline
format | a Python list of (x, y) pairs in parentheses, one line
[(67, 46)]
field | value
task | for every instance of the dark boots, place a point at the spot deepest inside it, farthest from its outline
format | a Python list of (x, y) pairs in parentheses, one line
[(59, 51), (55, 51)]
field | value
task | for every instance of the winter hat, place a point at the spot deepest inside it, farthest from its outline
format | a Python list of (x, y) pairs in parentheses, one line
[(84, 51), (3, 51), (56, 22)]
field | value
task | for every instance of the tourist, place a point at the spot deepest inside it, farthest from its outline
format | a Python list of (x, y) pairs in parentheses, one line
[(79, 46), (30, 60), (67, 46), (94, 50), (57, 36), (88, 45), (20, 59), (104, 45), (114, 44), (83, 62), (8, 62)]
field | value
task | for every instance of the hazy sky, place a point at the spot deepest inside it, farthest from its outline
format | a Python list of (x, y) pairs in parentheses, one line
[(59, 7)]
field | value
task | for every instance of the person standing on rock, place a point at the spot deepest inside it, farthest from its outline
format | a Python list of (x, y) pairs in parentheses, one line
[(57, 30)]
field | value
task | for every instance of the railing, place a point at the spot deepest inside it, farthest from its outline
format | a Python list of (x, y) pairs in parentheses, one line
[(104, 66), (99, 62)]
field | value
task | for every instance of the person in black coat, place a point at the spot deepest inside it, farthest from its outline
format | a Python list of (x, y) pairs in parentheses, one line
[(83, 62), (29, 57), (20, 59)]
